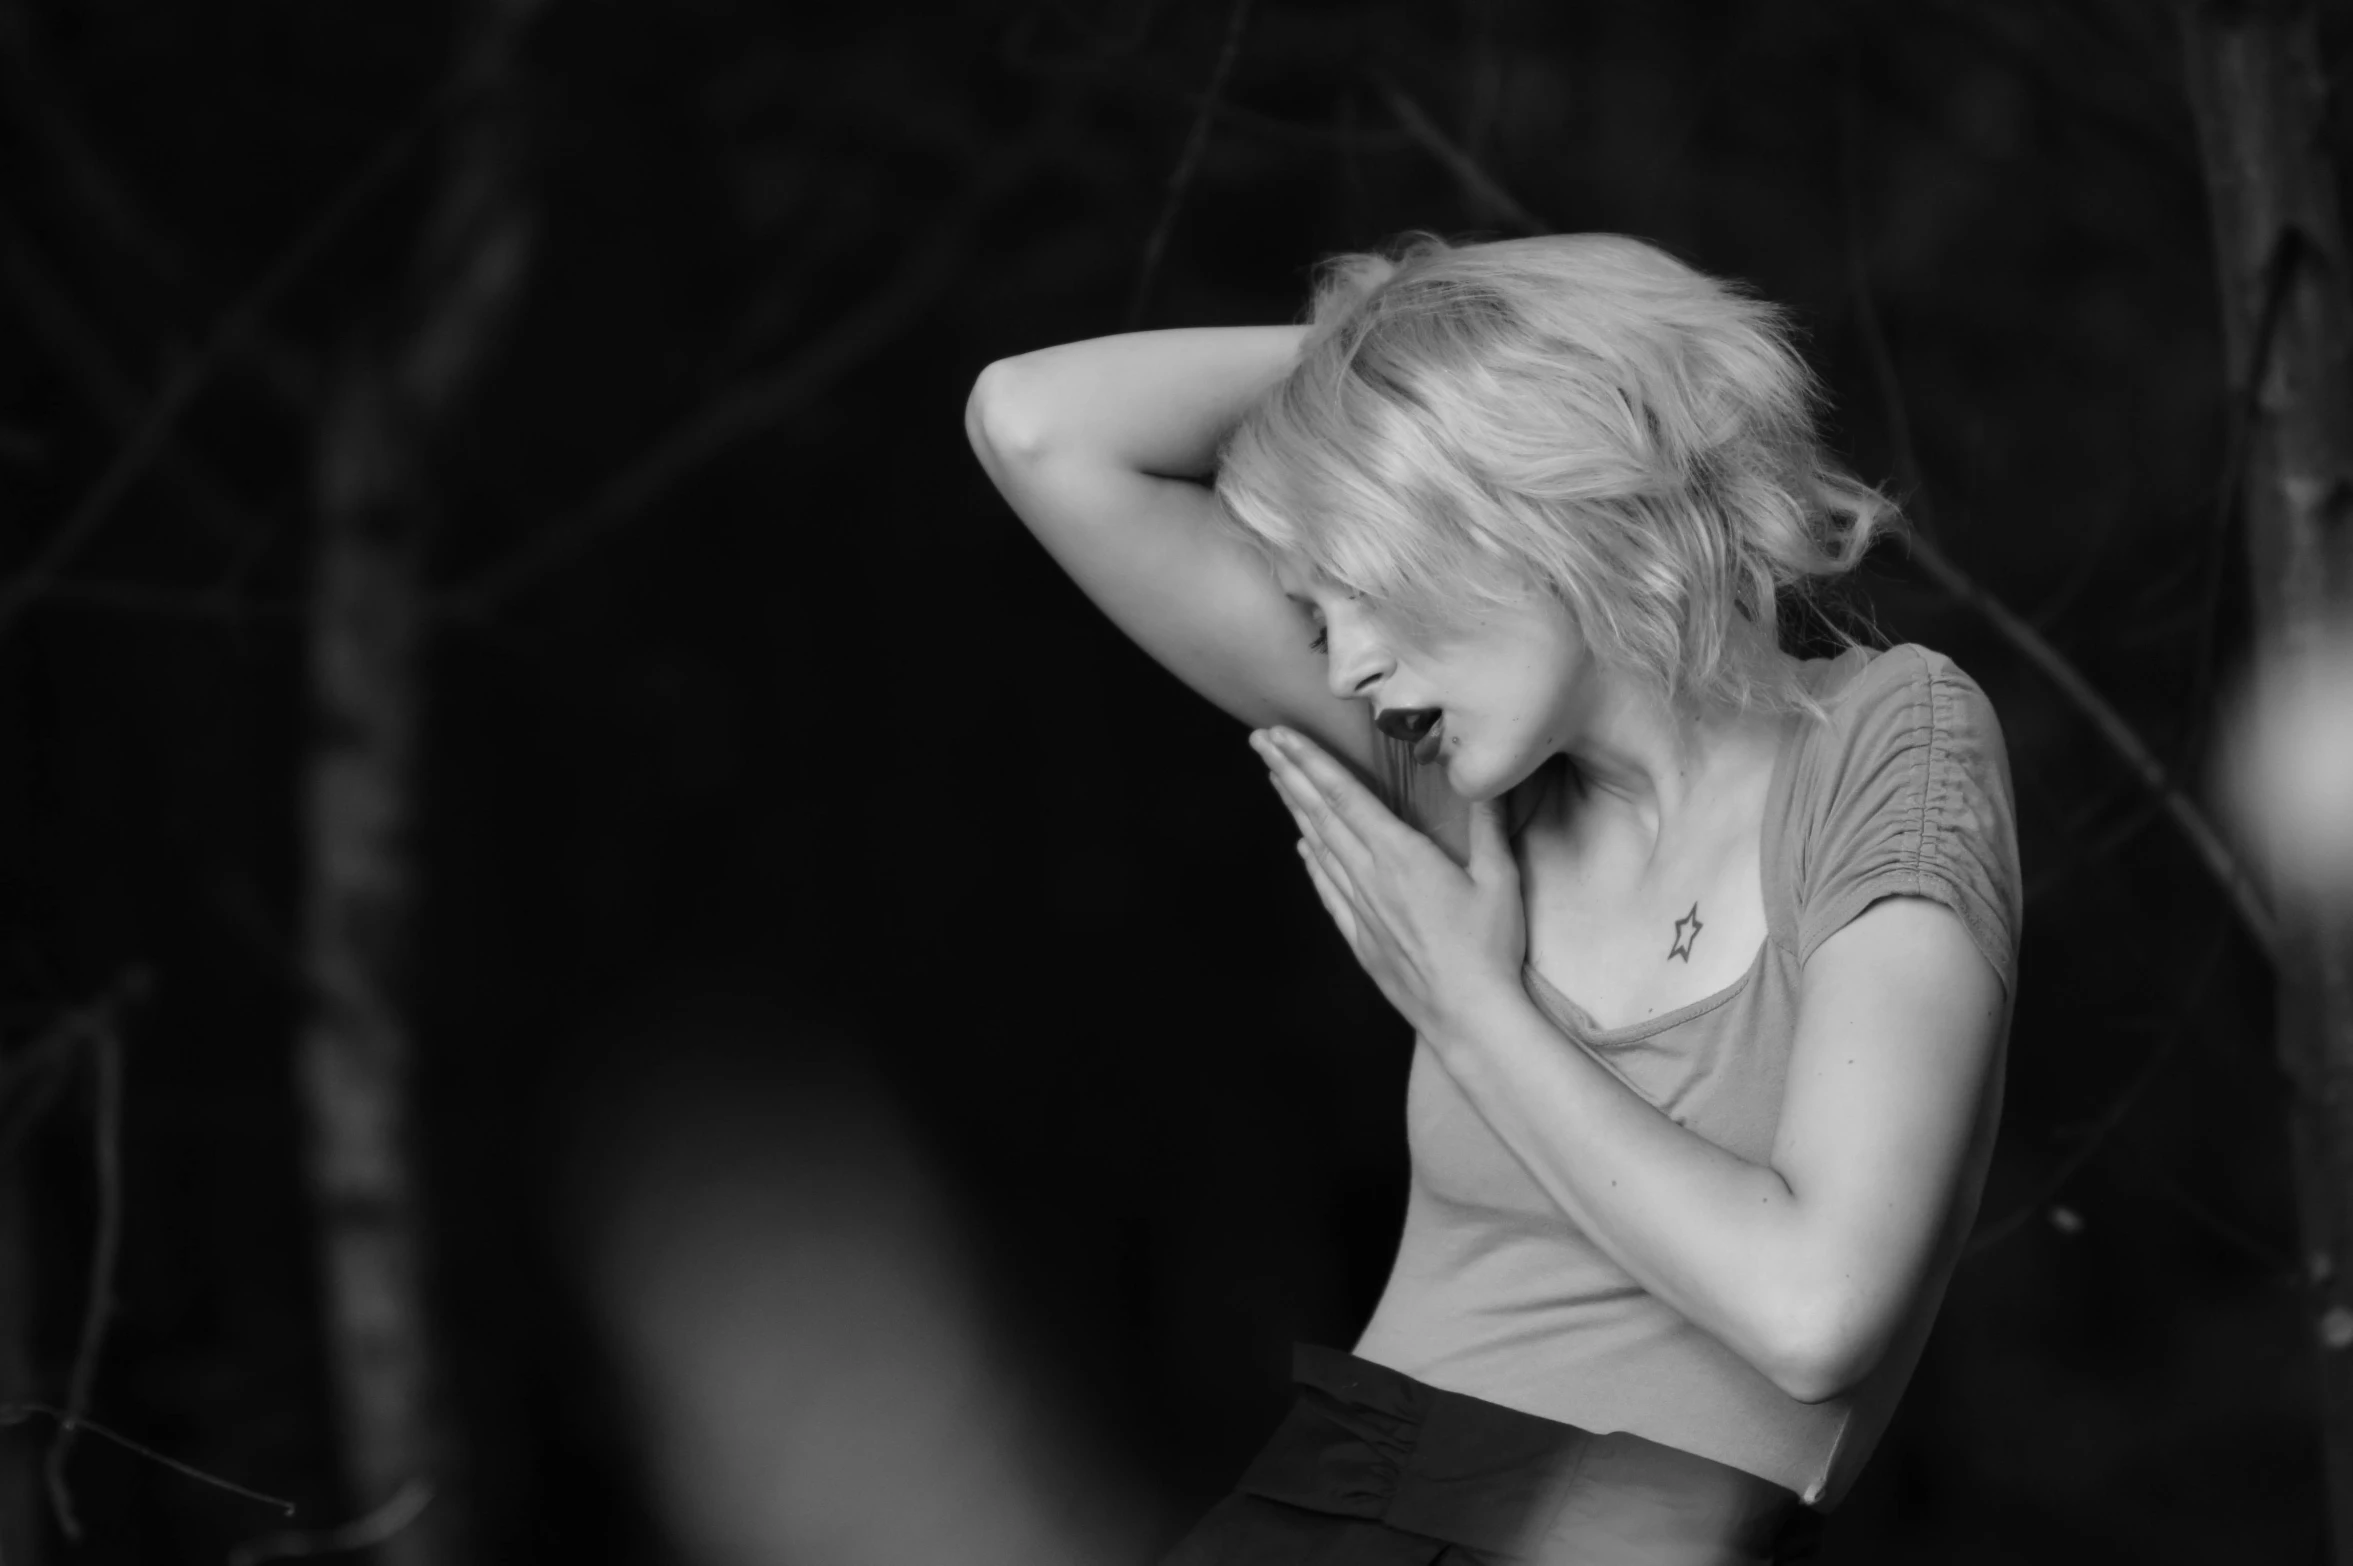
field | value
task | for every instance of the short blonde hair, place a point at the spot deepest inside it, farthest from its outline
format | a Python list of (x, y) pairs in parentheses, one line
[(1578, 413)]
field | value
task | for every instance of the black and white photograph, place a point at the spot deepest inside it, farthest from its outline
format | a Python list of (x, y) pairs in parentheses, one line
[(1176, 783)]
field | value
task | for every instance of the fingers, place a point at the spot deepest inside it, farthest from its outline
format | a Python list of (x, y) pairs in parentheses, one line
[(1333, 783), (1492, 860), (1320, 830), (1330, 805), (1335, 902), (1319, 823)]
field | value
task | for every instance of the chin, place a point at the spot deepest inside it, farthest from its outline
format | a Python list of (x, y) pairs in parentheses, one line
[(1473, 778)]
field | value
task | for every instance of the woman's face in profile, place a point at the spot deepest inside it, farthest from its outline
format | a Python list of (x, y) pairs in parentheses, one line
[(1489, 696)]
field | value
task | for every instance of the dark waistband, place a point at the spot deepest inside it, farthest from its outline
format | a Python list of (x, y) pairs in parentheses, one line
[(1363, 1440)]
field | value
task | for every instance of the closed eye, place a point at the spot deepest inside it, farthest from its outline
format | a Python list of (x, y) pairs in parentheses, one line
[(1315, 618)]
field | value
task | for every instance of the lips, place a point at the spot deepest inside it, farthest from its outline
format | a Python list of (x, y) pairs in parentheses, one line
[(1415, 726)]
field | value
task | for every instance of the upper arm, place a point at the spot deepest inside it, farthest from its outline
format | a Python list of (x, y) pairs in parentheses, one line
[(1890, 1096), (1152, 554), (1905, 875)]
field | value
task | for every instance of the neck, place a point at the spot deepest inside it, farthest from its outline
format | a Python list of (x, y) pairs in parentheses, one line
[(1655, 760)]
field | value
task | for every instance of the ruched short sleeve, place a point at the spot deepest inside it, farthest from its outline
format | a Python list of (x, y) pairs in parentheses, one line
[(1907, 794)]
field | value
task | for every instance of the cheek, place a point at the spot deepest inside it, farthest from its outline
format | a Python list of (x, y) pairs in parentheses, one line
[(1511, 677), (1528, 691), (1517, 717)]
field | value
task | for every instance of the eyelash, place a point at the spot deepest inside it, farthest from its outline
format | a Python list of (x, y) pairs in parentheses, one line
[(1322, 639)]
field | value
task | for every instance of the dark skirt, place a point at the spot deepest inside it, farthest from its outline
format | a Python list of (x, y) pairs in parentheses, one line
[(1374, 1468)]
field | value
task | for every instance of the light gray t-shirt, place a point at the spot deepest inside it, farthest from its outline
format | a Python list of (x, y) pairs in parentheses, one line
[(1903, 792)]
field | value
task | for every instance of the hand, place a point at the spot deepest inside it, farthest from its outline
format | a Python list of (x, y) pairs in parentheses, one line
[(1443, 942)]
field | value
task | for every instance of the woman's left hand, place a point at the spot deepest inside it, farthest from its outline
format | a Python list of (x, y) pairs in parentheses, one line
[(1443, 942)]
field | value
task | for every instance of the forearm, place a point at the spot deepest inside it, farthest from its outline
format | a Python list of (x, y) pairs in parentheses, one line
[(1724, 1241), (1155, 402)]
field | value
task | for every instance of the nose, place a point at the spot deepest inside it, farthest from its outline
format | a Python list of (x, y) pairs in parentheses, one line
[(1353, 660)]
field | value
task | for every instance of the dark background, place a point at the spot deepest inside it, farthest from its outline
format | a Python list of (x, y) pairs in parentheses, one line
[(813, 721)]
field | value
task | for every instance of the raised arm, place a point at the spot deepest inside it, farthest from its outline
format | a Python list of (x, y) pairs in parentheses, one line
[(1104, 449)]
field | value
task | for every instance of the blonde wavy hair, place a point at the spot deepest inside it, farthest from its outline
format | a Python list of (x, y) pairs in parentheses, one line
[(1579, 413)]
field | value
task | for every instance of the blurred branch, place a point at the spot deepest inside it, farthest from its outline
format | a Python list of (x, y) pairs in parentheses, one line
[(405, 1506), (2138, 30), (2100, 805), (140, 598), (733, 415), (1122, 69), (77, 349), (1292, 133), (112, 207), (18, 1413), (232, 327), (409, 385), (1188, 162), (30, 1074), (2084, 855), (106, 1065), (2292, 251), (2268, 146), (747, 409), (1481, 189), (2191, 822), (1971, 19), (2097, 1130), (1013, 45), (30, 1079), (1484, 61), (2055, 604), (2188, 819), (825, 238), (61, 135), (2275, 1259)]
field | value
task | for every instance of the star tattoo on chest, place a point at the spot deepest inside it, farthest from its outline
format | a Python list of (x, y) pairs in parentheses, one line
[(1687, 930)]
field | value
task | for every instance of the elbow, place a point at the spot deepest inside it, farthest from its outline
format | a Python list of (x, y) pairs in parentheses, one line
[(1001, 420), (1822, 1353), (1814, 1379)]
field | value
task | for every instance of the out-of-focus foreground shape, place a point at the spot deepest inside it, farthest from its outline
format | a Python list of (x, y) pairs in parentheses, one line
[(2258, 84), (2288, 769), (782, 1288)]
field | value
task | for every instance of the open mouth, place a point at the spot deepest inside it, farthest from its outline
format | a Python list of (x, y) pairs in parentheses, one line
[(1421, 727), (1427, 751)]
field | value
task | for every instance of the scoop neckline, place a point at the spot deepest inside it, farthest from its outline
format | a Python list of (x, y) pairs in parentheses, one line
[(1576, 1020)]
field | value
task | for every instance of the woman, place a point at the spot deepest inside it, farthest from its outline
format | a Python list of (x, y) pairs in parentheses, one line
[(1708, 950)]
